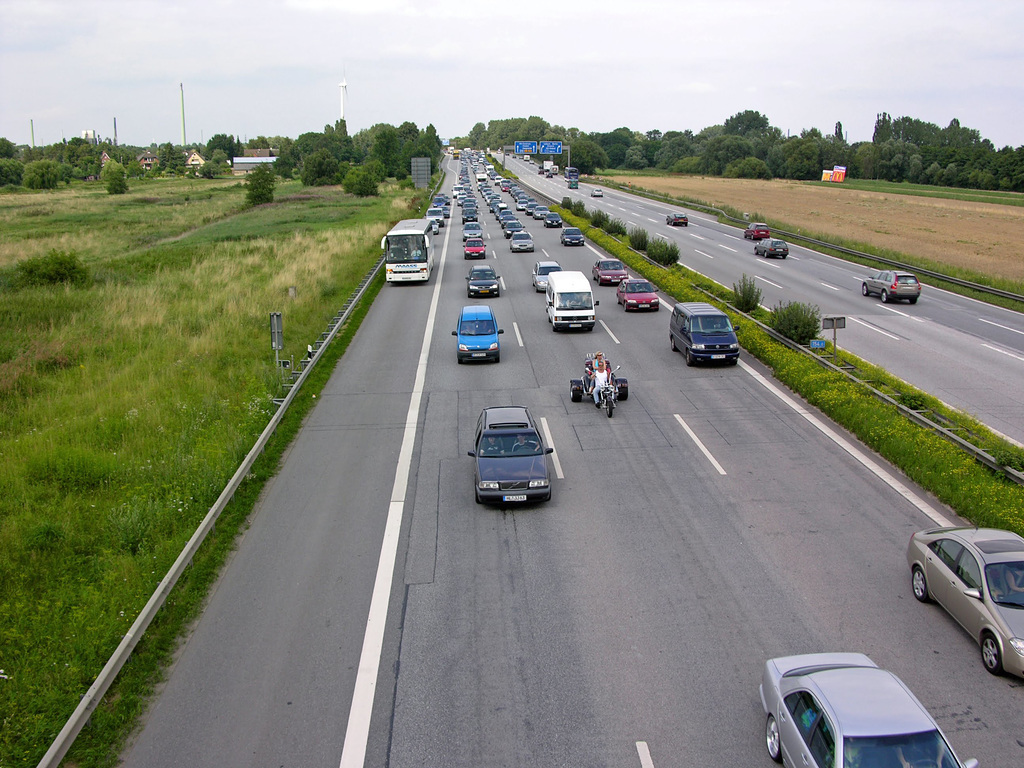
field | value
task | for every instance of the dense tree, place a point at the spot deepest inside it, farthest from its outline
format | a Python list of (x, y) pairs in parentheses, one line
[(229, 145), (749, 124), (587, 156), (722, 150), (115, 178), (387, 148), (7, 149), (259, 185), (41, 174), (11, 172), (320, 169), (359, 181)]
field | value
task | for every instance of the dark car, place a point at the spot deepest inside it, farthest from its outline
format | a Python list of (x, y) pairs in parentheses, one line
[(771, 248), (891, 285), (572, 236), (677, 220), (757, 232), (637, 294), (609, 272), (474, 248), (552, 220), (511, 463), (511, 227), (482, 281), (469, 214)]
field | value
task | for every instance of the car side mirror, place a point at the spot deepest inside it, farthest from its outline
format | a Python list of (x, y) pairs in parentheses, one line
[(501, 330), (596, 303), (471, 453), (548, 450), (975, 593), (455, 333)]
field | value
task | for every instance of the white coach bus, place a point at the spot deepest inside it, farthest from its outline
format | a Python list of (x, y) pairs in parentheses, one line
[(409, 251)]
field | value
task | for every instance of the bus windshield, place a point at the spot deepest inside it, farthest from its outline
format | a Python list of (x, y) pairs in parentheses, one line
[(406, 248)]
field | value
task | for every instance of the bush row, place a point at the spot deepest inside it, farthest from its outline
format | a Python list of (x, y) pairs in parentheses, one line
[(971, 489)]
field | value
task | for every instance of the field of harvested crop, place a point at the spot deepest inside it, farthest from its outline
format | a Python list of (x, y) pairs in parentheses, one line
[(977, 236)]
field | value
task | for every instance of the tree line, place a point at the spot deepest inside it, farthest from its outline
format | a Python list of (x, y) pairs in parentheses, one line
[(748, 146), (360, 162)]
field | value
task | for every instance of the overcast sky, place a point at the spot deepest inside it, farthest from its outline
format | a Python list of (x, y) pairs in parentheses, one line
[(274, 68)]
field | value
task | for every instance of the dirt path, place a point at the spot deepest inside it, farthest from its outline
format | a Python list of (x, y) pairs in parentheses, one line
[(983, 237)]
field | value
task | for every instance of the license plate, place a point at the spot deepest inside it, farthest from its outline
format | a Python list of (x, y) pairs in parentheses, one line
[(645, 306), (479, 354), (485, 290), (517, 497), (718, 357), (575, 325)]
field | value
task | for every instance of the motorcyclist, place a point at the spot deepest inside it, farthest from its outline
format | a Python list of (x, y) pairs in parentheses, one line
[(601, 377), (591, 365)]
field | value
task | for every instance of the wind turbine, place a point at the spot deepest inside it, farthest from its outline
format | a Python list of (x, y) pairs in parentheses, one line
[(343, 85)]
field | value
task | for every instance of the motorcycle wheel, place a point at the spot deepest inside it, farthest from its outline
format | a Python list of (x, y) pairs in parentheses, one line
[(609, 404)]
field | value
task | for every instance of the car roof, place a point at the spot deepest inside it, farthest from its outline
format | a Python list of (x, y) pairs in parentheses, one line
[(477, 312), (699, 308), (996, 544), (547, 264), (507, 417), (868, 701)]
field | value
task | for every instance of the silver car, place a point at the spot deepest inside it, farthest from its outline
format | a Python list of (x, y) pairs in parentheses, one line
[(541, 270), (891, 285), (521, 241), (977, 575), (826, 710)]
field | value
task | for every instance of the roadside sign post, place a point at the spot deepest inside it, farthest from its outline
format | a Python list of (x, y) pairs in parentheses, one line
[(276, 336), (526, 147), (835, 322)]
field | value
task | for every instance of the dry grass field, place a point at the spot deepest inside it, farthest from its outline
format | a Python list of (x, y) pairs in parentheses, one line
[(982, 237)]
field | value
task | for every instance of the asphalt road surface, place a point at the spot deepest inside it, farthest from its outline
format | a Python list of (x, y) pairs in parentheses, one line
[(714, 522)]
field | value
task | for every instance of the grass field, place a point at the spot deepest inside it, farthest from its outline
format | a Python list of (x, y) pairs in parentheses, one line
[(969, 231), (125, 406)]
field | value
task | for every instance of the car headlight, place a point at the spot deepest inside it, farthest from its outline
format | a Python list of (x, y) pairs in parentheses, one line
[(1018, 645), (488, 485), (698, 346), (463, 348), (493, 346), (631, 301), (734, 346), (539, 483)]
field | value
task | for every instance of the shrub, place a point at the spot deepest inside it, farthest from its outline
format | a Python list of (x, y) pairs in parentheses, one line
[(599, 218), (746, 294), (41, 174), (360, 182), (579, 208), (638, 238), (11, 172), (614, 227), (567, 203), (260, 185), (796, 321), (320, 169), (747, 168), (55, 268), (663, 251), (115, 177)]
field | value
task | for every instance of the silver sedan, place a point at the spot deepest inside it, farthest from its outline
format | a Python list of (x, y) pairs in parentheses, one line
[(977, 575), (839, 709)]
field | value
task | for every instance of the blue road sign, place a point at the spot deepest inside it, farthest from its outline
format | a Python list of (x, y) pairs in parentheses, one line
[(551, 148), (526, 147), (817, 343)]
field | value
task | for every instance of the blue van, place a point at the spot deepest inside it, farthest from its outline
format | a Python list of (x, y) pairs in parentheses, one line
[(477, 331), (703, 333)]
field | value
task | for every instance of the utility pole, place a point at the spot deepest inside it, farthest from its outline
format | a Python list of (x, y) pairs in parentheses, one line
[(182, 86)]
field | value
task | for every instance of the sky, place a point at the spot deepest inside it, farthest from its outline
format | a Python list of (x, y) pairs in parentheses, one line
[(273, 68)]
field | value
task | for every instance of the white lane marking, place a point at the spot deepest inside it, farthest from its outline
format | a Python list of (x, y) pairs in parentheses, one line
[(551, 444), (830, 287), (609, 331), (645, 755), (843, 443), (593, 249), (1003, 352), (546, 256), (519, 338), (653, 221), (1004, 327), (692, 234), (704, 254), (896, 311), (771, 264), (765, 279), (693, 436), (502, 281), (726, 247), (632, 223), (877, 330), (357, 732)]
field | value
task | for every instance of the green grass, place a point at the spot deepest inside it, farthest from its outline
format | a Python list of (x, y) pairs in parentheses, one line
[(126, 405)]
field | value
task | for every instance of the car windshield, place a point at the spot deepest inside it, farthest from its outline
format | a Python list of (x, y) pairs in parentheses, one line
[(712, 324), (611, 265), (521, 236), (485, 273), (637, 288), (474, 242), (928, 748), (575, 300), (510, 445), (572, 231), (480, 327), (1006, 583)]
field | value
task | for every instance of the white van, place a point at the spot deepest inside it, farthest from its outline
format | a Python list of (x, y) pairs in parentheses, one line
[(570, 301)]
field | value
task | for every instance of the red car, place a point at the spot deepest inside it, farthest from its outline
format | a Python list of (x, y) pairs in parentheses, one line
[(677, 220), (635, 293), (474, 249), (757, 232), (609, 272)]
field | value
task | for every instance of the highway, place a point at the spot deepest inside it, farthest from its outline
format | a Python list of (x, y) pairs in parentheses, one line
[(967, 353), (714, 522)]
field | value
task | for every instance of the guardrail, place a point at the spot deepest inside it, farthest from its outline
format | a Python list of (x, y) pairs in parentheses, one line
[(91, 699)]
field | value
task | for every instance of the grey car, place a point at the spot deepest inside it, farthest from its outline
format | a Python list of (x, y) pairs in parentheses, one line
[(521, 241), (890, 285), (541, 270), (977, 575), (839, 709), (511, 458)]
